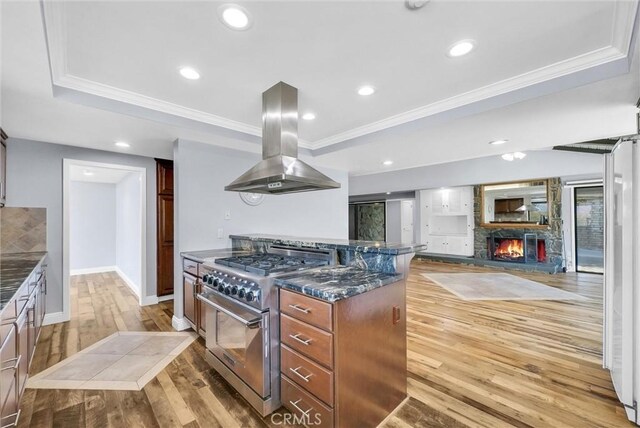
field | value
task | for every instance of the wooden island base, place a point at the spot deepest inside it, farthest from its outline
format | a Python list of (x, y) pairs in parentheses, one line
[(344, 362)]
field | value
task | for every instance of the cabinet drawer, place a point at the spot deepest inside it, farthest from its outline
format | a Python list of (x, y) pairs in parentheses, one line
[(307, 309), (307, 340), (305, 406), (309, 375), (190, 266)]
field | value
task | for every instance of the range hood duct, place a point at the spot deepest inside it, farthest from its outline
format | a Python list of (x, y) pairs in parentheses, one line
[(280, 171)]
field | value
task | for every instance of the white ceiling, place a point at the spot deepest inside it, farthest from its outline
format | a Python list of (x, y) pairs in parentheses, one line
[(534, 80), (97, 174)]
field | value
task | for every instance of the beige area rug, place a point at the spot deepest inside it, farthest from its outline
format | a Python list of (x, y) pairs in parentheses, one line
[(126, 360), (497, 286)]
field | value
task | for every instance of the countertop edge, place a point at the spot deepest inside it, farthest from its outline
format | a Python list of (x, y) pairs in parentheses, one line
[(43, 256)]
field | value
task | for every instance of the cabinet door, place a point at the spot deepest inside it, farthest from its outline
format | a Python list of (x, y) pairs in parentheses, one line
[(23, 349), (458, 245), (189, 288), (8, 376), (438, 201), (454, 203), (31, 324), (437, 244), (514, 204), (501, 206)]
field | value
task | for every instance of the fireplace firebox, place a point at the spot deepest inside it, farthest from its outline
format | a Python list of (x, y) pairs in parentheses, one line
[(523, 249)]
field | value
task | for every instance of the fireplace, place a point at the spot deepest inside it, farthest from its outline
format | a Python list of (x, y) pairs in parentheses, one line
[(516, 249)]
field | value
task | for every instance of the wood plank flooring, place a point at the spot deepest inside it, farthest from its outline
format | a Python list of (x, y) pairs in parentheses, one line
[(471, 364)]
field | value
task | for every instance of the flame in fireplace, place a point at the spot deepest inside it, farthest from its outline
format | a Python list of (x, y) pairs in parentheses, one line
[(510, 248)]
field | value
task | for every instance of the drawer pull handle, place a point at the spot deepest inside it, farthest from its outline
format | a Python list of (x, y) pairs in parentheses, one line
[(295, 404), (15, 361), (298, 308), (297, 338), (304, 378)]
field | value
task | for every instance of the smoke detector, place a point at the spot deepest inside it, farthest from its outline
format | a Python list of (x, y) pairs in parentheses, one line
[(415, 4)]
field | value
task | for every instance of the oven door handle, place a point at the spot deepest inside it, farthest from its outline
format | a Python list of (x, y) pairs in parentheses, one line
[(220, 305)]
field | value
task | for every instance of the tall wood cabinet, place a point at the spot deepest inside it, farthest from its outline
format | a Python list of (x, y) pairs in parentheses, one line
[(447, 221), (164, 201)]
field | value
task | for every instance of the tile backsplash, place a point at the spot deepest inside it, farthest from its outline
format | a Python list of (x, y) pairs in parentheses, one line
[(23, 229)]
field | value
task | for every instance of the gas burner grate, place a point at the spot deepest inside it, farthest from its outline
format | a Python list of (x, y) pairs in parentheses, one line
[(267, 264)]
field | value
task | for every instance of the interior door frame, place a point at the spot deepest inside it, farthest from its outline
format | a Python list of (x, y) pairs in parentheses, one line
[(143, 298), (574, 202)]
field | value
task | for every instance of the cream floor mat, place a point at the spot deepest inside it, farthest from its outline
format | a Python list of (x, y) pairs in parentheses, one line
[(122, 361), (497, 286)]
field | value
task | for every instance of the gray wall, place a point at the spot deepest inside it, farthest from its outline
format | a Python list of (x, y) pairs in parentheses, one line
[(34, 179), (128, 228), (394, 226), (537, 164), (201, 171), (92, 224)]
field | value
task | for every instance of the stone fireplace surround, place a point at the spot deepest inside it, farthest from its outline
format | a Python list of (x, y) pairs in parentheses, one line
[(551, 235)]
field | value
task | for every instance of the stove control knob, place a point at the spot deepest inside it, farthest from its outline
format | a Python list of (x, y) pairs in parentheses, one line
[(205, 278), (227, 290), (241, 293), (221, 285), (250, 296), (234, 290)]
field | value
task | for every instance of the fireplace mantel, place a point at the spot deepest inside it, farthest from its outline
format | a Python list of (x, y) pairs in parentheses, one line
[(515, 226)]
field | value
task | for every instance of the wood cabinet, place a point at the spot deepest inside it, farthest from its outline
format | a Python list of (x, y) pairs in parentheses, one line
[(21, 321), (343, 364), (189, 289), (508, 206), (3, 168), (164, 208)]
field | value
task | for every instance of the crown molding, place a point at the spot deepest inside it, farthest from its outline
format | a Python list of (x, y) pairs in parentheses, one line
[(113, 98)]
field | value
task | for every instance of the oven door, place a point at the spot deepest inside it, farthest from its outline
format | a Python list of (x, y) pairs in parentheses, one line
[(238, 335)]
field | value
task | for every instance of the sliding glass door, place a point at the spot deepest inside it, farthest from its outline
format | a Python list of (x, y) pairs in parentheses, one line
[(589, 215)]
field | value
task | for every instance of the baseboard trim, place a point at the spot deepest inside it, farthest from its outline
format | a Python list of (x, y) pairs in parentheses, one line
[(148, 300), (132, 285), (87, 271), (165, 298), (180, 324), (54, 318)]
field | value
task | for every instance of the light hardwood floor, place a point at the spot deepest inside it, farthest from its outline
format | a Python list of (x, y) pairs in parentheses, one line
[(471, 364)]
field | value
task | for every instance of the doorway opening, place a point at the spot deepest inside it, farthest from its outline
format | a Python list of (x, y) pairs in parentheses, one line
[(104, 224), (589, 229)]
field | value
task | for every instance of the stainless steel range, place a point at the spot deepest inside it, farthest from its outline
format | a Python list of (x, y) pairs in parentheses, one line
[(242, 329)]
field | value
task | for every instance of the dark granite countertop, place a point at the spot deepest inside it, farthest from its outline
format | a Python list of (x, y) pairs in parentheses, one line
[(336, 282), (15, 268), (208, 256), (362, 246)]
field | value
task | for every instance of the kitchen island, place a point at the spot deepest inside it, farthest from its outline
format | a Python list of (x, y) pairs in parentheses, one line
[(343, 345), (328, 317)]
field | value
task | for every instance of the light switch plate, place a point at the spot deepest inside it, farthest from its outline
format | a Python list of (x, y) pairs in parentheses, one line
[(220, 233), (227, 215)]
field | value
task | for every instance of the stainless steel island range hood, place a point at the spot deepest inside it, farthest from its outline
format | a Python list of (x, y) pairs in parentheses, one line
[(280, 171)]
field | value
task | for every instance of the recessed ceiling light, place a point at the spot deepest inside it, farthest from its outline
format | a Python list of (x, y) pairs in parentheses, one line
[(189, 73), (461, 48), (87, 172), (234, 16), (308, 116), (513, 156), (387, 162), (366, 90), (388, 193), (498, 142), (122, 144)]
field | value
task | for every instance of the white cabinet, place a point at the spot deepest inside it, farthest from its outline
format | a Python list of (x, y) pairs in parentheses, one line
[(447, 220), (451, 201)]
